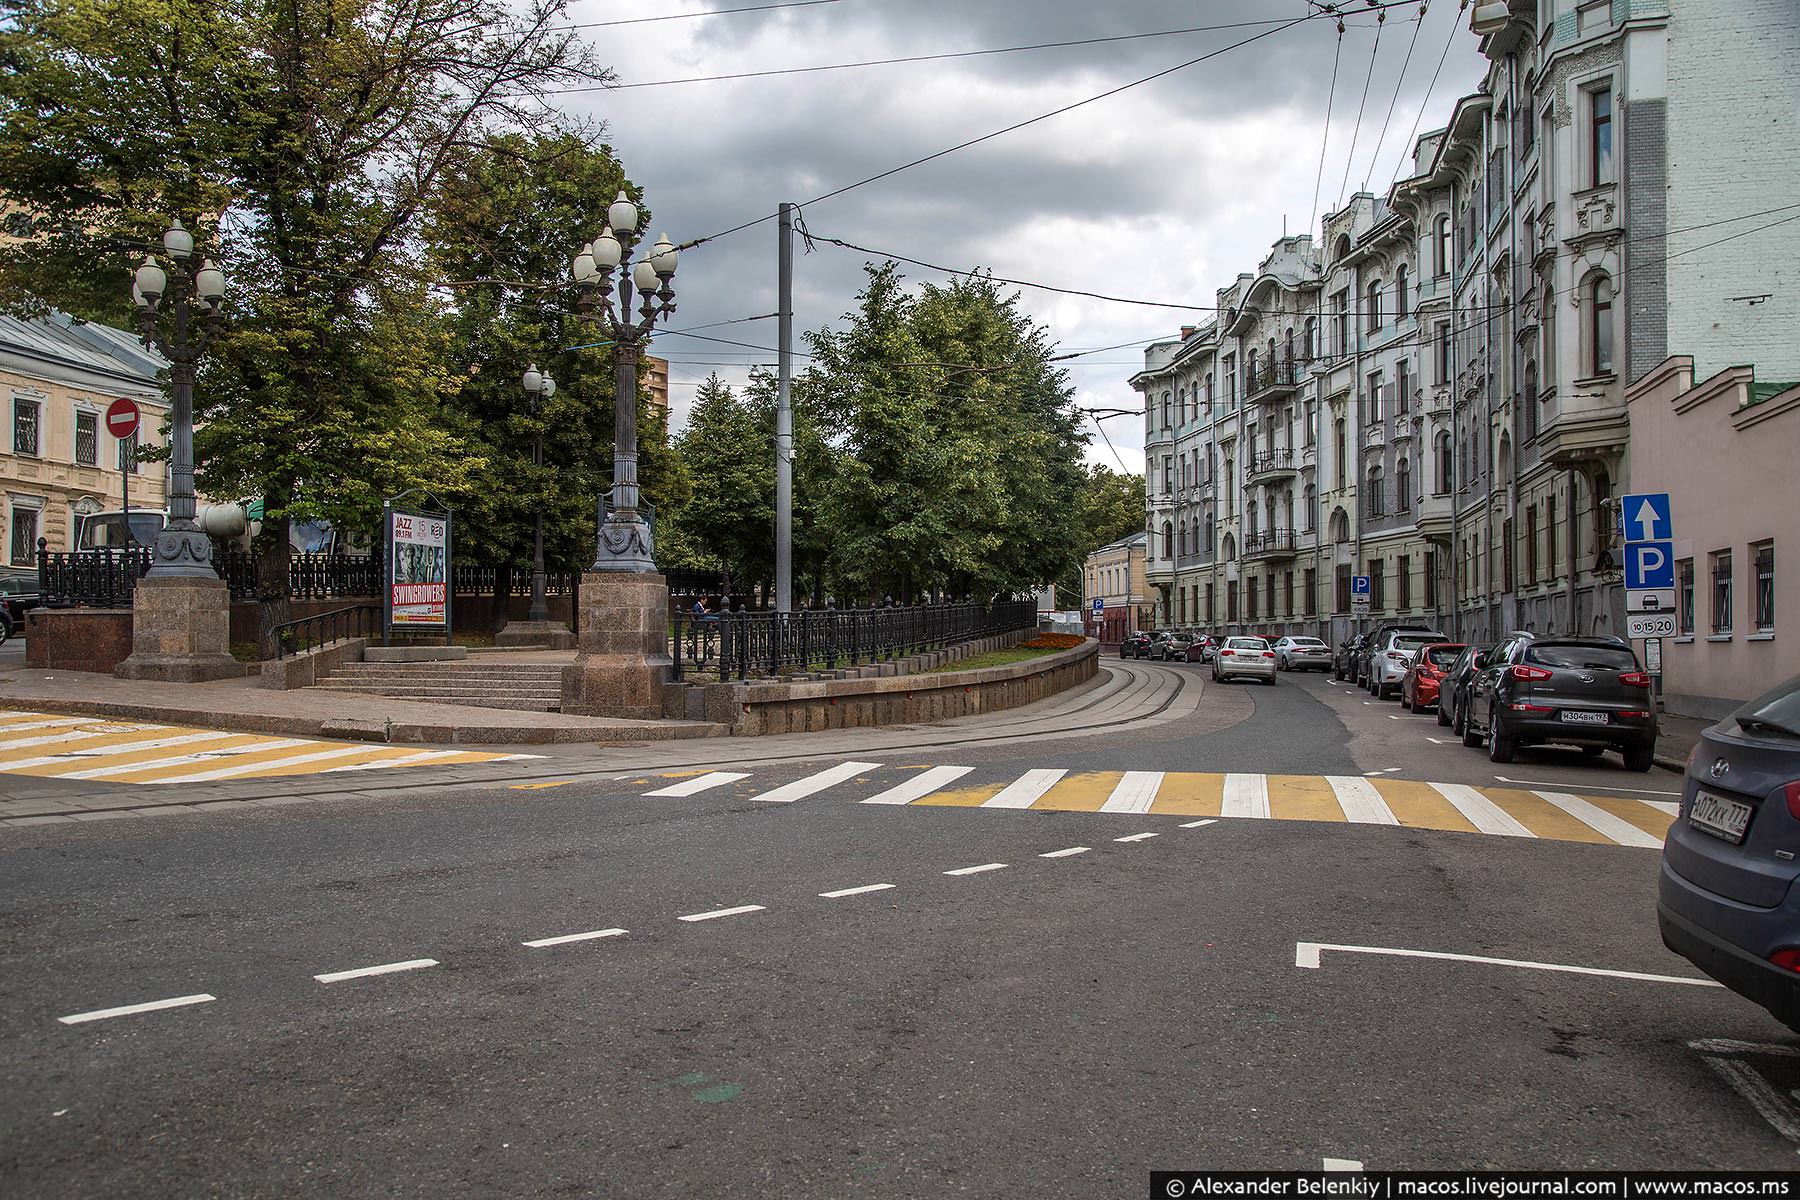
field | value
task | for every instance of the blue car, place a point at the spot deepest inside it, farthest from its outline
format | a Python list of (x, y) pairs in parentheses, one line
[(1727, 900)]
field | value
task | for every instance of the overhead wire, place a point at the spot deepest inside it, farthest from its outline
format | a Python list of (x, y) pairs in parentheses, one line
[(1356, 130), (1330, 100), (1406, 146), (1399, 82), (710, 12)]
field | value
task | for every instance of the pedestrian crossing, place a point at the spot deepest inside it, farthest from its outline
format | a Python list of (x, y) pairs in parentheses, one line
[(46, 746), (1544, 813)]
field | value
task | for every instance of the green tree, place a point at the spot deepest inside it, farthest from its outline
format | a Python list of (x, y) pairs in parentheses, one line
[(309, 136)]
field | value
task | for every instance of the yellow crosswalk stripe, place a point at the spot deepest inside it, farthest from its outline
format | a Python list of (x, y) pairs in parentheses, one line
[(1084, 791), (1542, 817), (1303, 798), (1421, 806), (1190, 794)]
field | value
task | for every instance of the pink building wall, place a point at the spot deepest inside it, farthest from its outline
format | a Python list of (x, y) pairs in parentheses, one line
[(1732, 471)]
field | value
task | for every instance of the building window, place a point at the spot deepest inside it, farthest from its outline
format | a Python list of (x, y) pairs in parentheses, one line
[(1341, 588), (1311, 508), (1506, 555), (1372, 405), (1377, 586), (1441, 245), (87, 438), (1600, 140), (24, 535), (1230, 381), (1402, 386), (1763, 553), (1375, 504), (1531, 399), (1441, 353), (1340, 322), (1600, 326), (1211, 612), (1166, 400), (1373, 309), (1531, 543), (1168, 474), (1338, 453), (1550, 537), (1401, 302), (1311, 432), (1721, 591), (1181, 539), (1403, 576), (1403, 485), (25, 427), (1684, 596), (1231, 600), (1311, 349), (1431, 592), (1250, 594)]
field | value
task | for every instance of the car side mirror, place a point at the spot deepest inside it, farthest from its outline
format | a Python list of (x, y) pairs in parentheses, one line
[(1481, 661)]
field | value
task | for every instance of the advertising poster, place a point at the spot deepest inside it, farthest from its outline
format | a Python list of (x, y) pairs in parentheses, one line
[(419, 587)]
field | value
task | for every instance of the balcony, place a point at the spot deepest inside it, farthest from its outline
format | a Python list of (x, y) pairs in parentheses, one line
[(1375, 437), (1270, 467), (1271, 543), (1274, 381)]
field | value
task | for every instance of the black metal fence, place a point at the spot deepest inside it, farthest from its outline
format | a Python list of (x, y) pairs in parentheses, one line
[(739, 645), (322, 629)]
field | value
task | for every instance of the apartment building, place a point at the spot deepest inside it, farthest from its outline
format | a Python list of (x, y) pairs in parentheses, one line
[(1433, 394), (58, 463), (1114, 575)]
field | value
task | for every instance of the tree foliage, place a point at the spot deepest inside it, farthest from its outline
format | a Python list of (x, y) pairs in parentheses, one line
[(1111, 506)]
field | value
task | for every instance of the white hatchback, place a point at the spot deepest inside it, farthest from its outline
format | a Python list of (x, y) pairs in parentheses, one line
[(1244, 657)]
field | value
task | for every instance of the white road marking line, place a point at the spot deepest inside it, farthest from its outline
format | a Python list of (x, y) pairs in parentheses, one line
[(1598, 819), (1481, 812), (1342, 1164), (1367, 703), (1198, 824), (127, 1010), (75, 758), (566, 938), (1361, 803), (1306, 954), (1672, 807), (1134, 792), (273, 764), (1383, 771), (1066, 853), (701, 783), (1440, 741), (1245, 796), (855, 891), (1134, 837), (1395, 717), (1750, 1084), (977, 870), (199, 756), (919, 786), (817, 782), (58, 739), (1024, 791), (1591, 787), (740, 910), (411, 964), (424, 756), (51, 723)]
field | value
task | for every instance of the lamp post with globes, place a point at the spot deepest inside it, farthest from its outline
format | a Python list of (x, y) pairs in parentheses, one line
[(539, 387), (182, 549), (602, 268)]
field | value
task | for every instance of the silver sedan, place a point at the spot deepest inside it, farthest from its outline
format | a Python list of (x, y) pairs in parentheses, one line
[(1244, 658)]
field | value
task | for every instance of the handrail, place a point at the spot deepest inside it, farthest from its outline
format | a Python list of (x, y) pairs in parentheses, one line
[(321, 629)]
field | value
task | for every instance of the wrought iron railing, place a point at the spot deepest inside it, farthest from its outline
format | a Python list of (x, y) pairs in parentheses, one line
[(1282, 373), (322, 629), (1271, 462), (741, 645), (1270, 541)]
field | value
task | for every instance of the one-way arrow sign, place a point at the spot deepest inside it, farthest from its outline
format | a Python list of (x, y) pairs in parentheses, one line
[(1647, 517)]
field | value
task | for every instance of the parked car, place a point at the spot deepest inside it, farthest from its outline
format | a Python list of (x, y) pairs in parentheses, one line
[(1419, 689), (1302, 654), (1135, 645), (1586, 692), (1726, 901), (1196, 648), (1246, 657), (1372, 644), (19, 591), (1392, 656), (1343, 659), (1172, 646), (1453, 688), (1204, 648)]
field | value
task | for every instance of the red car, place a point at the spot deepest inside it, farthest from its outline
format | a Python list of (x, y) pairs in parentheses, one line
[(1419, 686)]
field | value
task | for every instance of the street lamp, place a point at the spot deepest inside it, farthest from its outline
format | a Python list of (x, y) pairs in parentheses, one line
[(539, 387), (181, 549), (603, 267)]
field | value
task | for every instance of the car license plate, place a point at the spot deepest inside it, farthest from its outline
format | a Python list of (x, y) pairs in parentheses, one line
[(1585, 718), (1720, 817)]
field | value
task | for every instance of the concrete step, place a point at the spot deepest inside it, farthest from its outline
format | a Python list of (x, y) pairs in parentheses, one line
[(407, 691), (378, 678), (453, 670), (516, 704)]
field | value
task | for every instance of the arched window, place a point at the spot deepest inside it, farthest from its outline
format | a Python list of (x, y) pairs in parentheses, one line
[(1250, 380), (1168, 539), (1600, 325), (1445, 463), (1400, 299), (1209, 396), (1373, 308), (1167, 398), (1312, 338), (1375, 503), (1337, 453), (1181, 539), (1548, 336), (1311, 500), (1441, 245), (1340, 526), (1230, 549), (1403, 486), (1342, 249), (1531, 399), (1290, 346)]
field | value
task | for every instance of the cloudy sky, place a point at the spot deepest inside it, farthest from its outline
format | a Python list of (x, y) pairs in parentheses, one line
[(1163, 192)]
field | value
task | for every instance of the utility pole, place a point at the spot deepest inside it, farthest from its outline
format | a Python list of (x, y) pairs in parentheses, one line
[(784, 412)]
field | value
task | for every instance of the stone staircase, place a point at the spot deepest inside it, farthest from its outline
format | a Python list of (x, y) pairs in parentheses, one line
[(527, 687)]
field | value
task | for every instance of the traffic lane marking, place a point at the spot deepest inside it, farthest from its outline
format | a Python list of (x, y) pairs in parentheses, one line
[(855, 891), (977, 870), (1308, 955), (127, 1010), (411, 964), (1065, 853), (567, 938), (1585, 786), (715, 914), (1134, 837)]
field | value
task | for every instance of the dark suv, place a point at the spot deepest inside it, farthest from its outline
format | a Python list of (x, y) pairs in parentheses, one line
[(1587, 692), (1135, 645)]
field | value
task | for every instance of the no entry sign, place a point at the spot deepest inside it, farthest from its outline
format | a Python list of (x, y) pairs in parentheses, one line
[(122, 419)]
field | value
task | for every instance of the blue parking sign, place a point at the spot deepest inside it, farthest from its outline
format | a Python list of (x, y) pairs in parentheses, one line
[(1099, 606), (1649, 565), (1359, 585)]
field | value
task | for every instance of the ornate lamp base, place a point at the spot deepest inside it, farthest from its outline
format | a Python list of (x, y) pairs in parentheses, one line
[(181, 552), (622, 654), (180, 630), (626, 544)]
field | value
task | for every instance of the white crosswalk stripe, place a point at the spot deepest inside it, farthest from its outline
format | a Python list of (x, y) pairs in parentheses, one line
[(1597, 818), (47, 723), (700, 783), (1134, 792), (201, 756), (1481, 812), (815, 783), (270, 764), (1360, 801), (920, 785), (58, 739), (74, 758), (1026, 790), (1246, 796)]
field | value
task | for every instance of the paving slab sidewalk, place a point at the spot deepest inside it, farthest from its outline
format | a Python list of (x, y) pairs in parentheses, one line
[(239, 704)]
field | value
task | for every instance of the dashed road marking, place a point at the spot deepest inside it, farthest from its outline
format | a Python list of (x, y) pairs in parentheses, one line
[(855, 891), (1134, 837), (1065, 853), (566, 938), (128, 1010), (716, 913), (411, 964), (977, 870)]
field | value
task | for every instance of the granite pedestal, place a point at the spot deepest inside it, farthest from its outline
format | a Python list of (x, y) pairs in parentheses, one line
[(180, 631), (541, 635), (622, 651)]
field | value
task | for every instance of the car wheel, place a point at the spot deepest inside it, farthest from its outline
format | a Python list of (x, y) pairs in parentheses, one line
[(1470, 736), (1442, 716), (1500, 747), (1640, 758), (1406, 704)]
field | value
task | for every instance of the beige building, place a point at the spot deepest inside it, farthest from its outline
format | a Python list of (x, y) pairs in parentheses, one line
[(58, 464), (1114, 575), (1723, 449), (653, 384)]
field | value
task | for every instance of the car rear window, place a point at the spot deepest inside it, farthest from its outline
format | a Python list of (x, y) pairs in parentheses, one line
[(1582, 658), (1778, 708), (1443, 656), (1243, 643), (1312, 642), (1409, 642)]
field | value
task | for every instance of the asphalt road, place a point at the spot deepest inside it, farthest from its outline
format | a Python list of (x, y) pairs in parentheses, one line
[(1059, 1023)]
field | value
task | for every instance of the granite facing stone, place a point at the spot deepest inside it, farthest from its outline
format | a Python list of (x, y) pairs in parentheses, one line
[(181, 630), (621, 665), (545, 635)]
